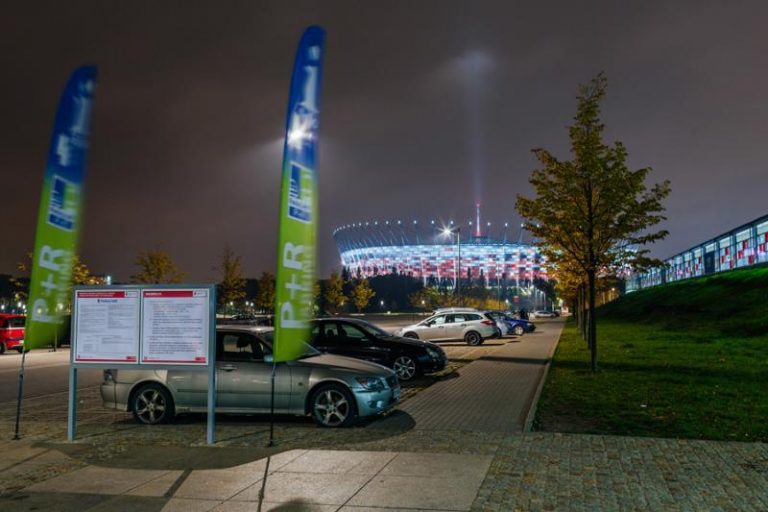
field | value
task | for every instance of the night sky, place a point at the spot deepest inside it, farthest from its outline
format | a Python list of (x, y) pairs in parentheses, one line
[(427, 108)]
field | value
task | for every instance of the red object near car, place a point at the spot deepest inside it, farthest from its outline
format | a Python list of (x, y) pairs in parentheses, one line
[(11, 332)]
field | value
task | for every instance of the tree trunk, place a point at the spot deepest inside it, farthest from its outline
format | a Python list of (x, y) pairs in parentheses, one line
[(584, 312), (592, 321), (577, 308)]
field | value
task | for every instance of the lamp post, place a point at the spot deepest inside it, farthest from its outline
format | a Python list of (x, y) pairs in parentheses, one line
[(457, 232)]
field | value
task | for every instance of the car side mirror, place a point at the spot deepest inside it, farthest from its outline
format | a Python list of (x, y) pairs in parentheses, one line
[(268, 358)]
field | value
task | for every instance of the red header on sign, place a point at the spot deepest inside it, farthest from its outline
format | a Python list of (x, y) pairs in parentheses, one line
[(168, 293), (100, 295)]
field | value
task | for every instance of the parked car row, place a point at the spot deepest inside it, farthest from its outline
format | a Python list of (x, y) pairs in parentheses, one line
[(351, 370)]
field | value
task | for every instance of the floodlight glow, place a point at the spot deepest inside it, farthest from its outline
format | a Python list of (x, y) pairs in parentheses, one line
[(299, 132)]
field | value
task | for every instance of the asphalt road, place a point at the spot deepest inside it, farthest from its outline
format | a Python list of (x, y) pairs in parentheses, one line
[(45, 372)]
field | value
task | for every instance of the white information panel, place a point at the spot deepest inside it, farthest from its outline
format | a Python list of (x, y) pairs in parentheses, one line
[(176, 326), (107, 326)]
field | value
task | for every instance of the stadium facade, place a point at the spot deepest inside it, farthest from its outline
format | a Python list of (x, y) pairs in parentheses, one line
[(427, 252), (740, 247)]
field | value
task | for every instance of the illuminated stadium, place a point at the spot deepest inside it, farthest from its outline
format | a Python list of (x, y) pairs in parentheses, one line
[(430, 251)]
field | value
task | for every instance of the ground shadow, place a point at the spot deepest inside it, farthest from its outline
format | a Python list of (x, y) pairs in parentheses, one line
[(240, 439)]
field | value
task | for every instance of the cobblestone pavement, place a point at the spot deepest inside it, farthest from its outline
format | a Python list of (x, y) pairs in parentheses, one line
[(533, 471)]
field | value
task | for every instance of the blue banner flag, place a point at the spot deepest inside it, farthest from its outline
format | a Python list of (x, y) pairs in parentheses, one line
[(59, 215), (296, 250)]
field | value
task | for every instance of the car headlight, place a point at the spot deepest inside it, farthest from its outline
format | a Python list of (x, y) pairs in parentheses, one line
[(371, 383), (434, 354)]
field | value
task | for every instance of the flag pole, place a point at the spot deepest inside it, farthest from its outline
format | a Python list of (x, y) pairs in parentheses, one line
[(16, 435), (272, 408)]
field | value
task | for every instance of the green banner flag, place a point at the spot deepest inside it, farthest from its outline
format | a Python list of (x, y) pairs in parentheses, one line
[(297, 252), (59, 216)]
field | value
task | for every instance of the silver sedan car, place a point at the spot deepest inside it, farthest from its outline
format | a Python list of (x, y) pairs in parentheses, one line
[(335, 390)]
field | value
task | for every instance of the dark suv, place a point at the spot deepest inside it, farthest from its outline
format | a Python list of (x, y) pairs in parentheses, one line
[(12, 332)]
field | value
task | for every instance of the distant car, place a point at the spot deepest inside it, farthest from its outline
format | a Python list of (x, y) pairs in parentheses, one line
[(335, 390), (543, 313), (510, 325), (474, 327), (12, 332), (349, 337)]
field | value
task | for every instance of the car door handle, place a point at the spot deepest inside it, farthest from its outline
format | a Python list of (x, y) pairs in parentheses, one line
[(229, 367), (463, 325)]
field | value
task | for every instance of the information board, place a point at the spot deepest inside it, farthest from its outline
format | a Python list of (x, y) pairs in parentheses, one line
[(175, 327), (142, 327), (107, 326)]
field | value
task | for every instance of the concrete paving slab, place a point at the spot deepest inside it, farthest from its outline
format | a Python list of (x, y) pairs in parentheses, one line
[(222, 484), (157, 487), (456, 493), (218, 484), (187, 505), (276, 462), (437, 465), (353, 508), (130, 504), (339, 462), (332, 489), (18, 452), (293, 506), (98, 480), (60, 502)]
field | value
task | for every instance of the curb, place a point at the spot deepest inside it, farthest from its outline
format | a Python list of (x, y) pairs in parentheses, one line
[(535, 401)]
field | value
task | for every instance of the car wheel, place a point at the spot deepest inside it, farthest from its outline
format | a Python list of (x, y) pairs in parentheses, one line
[(412, 335), (518, 330), (405, 368), (20, 350), (473, 338), (2, 348), (152, 404), (333, 406)]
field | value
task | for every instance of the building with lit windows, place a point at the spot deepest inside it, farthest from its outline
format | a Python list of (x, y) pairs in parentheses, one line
[(740, 247)]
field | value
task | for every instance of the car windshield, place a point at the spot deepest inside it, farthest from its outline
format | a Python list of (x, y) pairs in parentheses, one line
[(308, 350)]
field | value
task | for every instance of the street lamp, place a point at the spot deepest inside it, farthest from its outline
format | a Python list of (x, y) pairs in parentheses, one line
[(457, 232)]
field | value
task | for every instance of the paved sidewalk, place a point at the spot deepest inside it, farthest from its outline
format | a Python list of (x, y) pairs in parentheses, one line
[(535, 472), (492, 394), (472, 457)]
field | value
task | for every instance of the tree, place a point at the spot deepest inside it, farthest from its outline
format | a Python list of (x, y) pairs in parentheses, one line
[(362, 294), (156, 267), (334, 293), (81, 276), (265, 299), (592, 213), (21, 283), (232, 284)]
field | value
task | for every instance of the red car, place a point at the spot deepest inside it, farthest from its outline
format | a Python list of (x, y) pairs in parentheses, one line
[(11, 332)]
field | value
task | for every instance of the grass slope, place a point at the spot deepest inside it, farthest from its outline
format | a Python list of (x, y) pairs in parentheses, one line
[(688, 359)]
